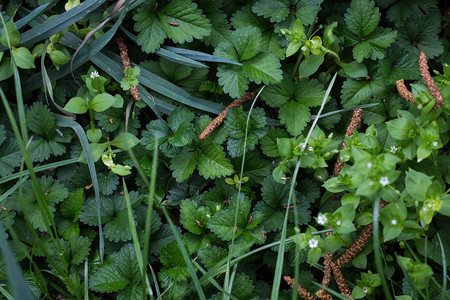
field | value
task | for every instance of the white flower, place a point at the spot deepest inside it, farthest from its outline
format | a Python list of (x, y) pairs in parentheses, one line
[(94, 74), (321, 219), (394, 149), (394, 222), (310, 148), (365, 290), (302, 145), (369, 165), (313, 243), (338, 223), (435, 144), (384, 181)]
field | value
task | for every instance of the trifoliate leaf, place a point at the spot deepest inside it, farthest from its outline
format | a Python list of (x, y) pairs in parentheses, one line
[(278, 94), (245, 17), (179, 20), (171, 257), (183, 164), (233, 80), (212, 162), (294, 115), (247, 42), (399, 12), (79, 249), (107, 182), (89, 213), (118, 229), (264, 67), (398, 65), (107, 279), (272, 217), (374, 44), (269, 142), (362, 17), (71, 207), (127, 263), (276, 10), (211, 255), (355, 92), (193, 217), (309, 92)]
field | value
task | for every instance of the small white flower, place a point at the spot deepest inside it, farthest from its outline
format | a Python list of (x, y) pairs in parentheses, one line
[(94, 74), (369, 165), (365, 290), (338, 223), (435, 144), (302, 145), (425, 210), (394, 222), (313, 243), (321, 219), (384, 181), (394, 149), (310, 148)]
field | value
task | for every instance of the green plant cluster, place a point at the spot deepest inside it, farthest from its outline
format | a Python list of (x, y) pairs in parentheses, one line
[(108, 196)]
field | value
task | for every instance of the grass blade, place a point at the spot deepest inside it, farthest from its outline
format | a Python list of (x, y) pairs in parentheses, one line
[(66, 122), (30, 15), (197, 55), (444, 269)]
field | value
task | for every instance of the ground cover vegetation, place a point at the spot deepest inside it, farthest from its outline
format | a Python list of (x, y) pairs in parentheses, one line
[(195, 149)]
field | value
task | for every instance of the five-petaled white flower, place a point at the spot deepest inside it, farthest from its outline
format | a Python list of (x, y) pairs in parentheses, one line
[(394, 149), (302, 145), (310, 148), (321, 219), (94, 74), (365, 290), (369, 165), (394, 222), (313, 243), (384, 181), (338, 222), (435, 144)]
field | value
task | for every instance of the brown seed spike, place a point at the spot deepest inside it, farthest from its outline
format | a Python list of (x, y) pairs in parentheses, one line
[(302, 292), (127, 64), (429, 82), (404, 92)]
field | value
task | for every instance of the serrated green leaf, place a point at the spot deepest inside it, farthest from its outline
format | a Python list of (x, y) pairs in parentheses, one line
[(107, 182), (398, 65), (210, 255), (118, 229), (79, 249), (212, 162), (245, 17), (71, 207), (183, 164), (107, 279), (247, 42), (171, 257), (294, 115), (274, 193), (271, 43), (362, 17), (278, 94), (161, 238), (156, 129), (233, 80), (179, 116), (68, 228), (89, 213), (193, 217), (264, 67), (40, 120), (276, 10), (309, 92), (131, 292), (357, 92), (272, 217), (151, 33), (374, 44), (220, 30), (10, 156), (269, 142), (127, 263), (242, 286)]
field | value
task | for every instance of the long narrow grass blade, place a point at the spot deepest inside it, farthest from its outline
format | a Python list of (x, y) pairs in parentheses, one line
[(444, 269), (66, 122), (11, 190), (31, 15), (17, 282), (186, 257), (214, 282), (86, 279), (197, 55), (5, 293)]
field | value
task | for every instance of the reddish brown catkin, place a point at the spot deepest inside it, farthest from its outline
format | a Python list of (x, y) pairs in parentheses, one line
[(302, 292), (404, 92), (221, 117), (127, 64), (429, 82)]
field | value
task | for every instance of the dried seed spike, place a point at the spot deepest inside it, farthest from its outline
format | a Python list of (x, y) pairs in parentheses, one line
[(404, 92), (322, 294), (428, 80), (302, 292), (221, 117), (127, 64), (356, 247), (340, 280)]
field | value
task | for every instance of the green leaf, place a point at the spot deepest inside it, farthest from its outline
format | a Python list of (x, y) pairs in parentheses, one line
[(294, 115), (247, 42), (71, 207), (233, 80), (398, 65), (310, 65), (278, 94), (193, 217), (356, 92), (23, 58), (79, 249), (107, 279), (212, 162), (220, 31), (271, 43), (417, 184), (354, 69), (210, 255), (118, 229), (374, 44), (94, 135), (107, 182), (274, 193), (276, 10), (125, 141), (151, 33), (171, 257), (269, 142), (272, 217), (127, 263), (242, 286), (10, 154), (183, 164), (102, 102), (59, 57), (13, 34), (245, 17), (362, 17), (309, 92), (89, 213), (156, 129), (264, 67)]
